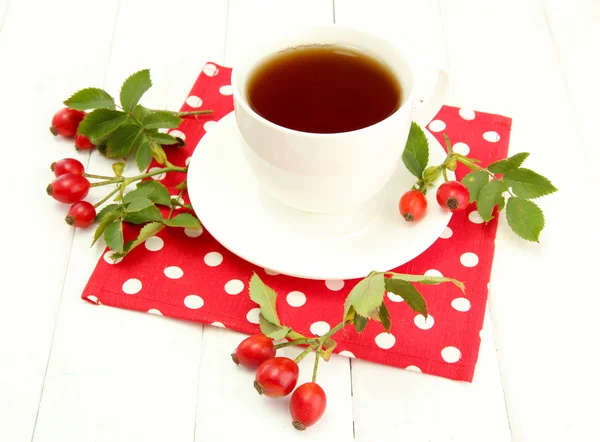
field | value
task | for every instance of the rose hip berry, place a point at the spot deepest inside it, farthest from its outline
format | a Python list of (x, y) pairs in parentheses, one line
[(66, 121), (67, 165), (276, 377), (453, 195), (68, 188), (253, 351), (307, 405), (413, 205), (81, 214), (83, 143)]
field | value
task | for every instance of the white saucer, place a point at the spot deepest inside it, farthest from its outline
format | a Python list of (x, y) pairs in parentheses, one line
[(263, 231)]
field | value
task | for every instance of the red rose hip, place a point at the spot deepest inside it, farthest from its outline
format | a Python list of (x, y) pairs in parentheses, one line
[(413, 205), (453, 195), (253, 351), (68, 188), (81, 214), (307, 405), (83, 143), (67, 165), (276, 377), (66, 121)]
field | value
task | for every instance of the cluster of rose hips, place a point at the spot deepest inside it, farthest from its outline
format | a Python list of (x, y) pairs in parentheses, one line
[(451, 195), (277, 377)]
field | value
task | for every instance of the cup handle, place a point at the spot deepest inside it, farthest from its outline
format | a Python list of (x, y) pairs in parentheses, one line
[(429, 108)]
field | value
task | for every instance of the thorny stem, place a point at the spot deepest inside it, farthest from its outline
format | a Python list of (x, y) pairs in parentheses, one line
[(107, 197), (316, 366), (175, 203), (99, 177), (185, 114), (296, 342), (104, 183)]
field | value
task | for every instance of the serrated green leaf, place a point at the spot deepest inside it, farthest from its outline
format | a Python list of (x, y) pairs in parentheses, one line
[(138, 204), (161, 120), (143, 156), (271, 330), (107, 209), (528, 184), (409, 293), (416, 152), (100, 123), (329, 345), (360, 323), (113, 236), (265, 297), (366, 296), (488, 198), (182, 185), (525, 218), (151, 189), (105, 218), (148, 231), (143, 216), (90, 98), (121, 142), (475, 182), (118, 168), (133, 88), (501, 203), (383, 316), (140, 112), (184, 220), (507, 164), (428, 280), (164, 139)]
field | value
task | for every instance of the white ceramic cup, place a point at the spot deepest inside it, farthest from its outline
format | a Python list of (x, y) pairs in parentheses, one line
[(340, 173)]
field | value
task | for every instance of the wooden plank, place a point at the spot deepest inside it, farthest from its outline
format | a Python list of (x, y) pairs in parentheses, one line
[(3, 12), (47, 49), (112, 371)]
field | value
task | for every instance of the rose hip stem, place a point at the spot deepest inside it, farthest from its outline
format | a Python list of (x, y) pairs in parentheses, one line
[(316, 366), (318, 342)]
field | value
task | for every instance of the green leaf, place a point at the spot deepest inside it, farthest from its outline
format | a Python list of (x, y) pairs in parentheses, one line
[(360, 322), (90, 98), (113, 236), (133, 88), (409, 293), (329, 345), (161, 120), (265, 297), (106, 210), (143, 157), (140, 112), (118, 168), (121, 142), (148, 231), (488, 198), (525, 218), (475, 182), (383, 316), (366, 296), (105, 218), (138, 204), (144, 216), (528, 184), (507, 164), (416, 152), (469, 162), (151, 189), (501, 203), (164, 139), (101, 122), (271, 330), (428, 280), (184, 220), (182, 185)]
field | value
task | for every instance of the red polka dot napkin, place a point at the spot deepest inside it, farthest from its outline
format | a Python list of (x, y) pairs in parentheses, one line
[(188, 275)]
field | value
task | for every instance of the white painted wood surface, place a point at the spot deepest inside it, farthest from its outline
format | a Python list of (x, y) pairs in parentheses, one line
[(70, 371)]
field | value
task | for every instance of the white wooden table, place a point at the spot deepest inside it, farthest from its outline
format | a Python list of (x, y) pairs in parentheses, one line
[(70, 371)]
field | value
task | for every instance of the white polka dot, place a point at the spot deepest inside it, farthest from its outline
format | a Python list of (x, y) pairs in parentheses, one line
[(385, 340), (433, 272), (154, 243), (109, 260), (424, 324), (437, 126), (234, 287), (209, 125), (187, 161), (447, 233), (469, 259), (173, 272), (194, 101), (178, 134), (132, 286), (451, 354), (296, 298), (394, 297), (226, 90), (413, 368), (474, 217), (160, 176), (491, 136), (213, 259), (252, 315), (271, 272), (347, 353), (461, 148), (334, 284), (319, 328), (467, 114), (481, 334), (154, 311), (218, 324), (192, 233), (461, 304), (193, 302), (210, 69), (93, 299)]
